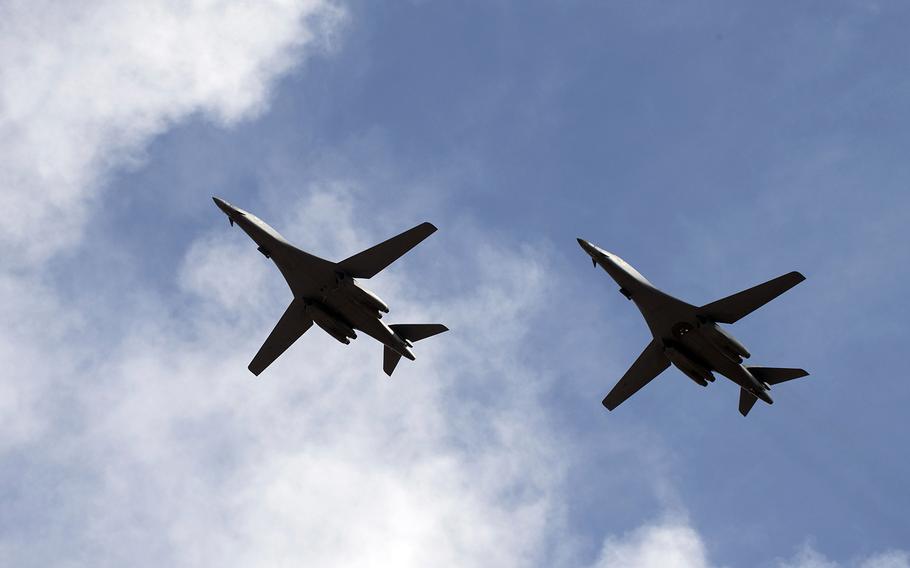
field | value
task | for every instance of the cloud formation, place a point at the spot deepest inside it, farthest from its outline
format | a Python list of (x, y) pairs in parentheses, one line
[(138, 437), (673, 543), (84, 86), (808, 557), (186, 457), (667, 544)]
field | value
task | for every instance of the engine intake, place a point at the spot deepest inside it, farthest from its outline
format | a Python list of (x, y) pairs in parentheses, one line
[(692, 369), (366, 298), (330, 323), (725, 342)]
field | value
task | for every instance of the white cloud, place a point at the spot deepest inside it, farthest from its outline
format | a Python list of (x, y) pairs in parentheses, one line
[(83, 86), (808, 557), (673, 543), (889, 559), (666, 544)]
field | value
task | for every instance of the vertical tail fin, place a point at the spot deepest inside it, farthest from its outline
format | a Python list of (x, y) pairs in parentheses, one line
[(746, 401), (390, 359), (408, 332)]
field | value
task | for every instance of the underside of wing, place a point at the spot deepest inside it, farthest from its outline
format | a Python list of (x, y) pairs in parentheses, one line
[(370, 262), (732, 308), (311, 263), (649, 364), (289, 328)]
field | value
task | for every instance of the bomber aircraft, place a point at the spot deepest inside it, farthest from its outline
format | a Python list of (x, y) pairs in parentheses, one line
[(690, 337), (327, 294)]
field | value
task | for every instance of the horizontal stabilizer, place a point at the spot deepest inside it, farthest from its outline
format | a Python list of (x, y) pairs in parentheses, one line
[(411, 332), (418, 331), (390, 359), (649, 364), (746, 401), (370, 262), (732, 308), (289, 328), (774, 375)]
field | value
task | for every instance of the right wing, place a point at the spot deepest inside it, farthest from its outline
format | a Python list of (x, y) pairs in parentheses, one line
[(732, 308), (370, 262), (289, 328), (649, 364)]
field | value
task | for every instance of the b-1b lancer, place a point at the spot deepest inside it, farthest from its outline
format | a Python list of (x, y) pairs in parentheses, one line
[(327, 294), (690, 337)]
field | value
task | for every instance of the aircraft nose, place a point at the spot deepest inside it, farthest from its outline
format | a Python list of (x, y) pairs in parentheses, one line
[(592, 250), (223, 205)]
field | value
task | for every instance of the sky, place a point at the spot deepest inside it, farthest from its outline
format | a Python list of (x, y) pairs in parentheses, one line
[(712, 144)]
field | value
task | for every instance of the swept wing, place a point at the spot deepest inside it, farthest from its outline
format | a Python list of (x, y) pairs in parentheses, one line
[(741, 304), (370, 262), (649, 364), (293, 323)]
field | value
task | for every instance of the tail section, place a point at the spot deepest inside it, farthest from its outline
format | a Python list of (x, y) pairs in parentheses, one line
[(768, 376), (410, 332)]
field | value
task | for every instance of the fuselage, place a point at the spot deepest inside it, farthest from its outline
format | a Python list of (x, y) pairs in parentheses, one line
[(694, 345), (333, 300)]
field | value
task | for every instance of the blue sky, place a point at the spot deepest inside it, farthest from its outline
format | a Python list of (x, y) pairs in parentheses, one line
[(713, 145)]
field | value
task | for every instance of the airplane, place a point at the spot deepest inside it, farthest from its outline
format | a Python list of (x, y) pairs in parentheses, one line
[(327, 293), (690, 338)]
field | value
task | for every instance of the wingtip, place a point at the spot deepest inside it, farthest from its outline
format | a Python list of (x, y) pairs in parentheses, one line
[(429, 226), (798, 276)]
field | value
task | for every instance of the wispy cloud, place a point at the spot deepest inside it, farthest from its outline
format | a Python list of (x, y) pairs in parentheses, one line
[(672, 542), (84, 87)]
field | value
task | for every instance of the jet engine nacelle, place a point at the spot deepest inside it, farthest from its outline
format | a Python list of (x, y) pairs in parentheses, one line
[(725, 342), (330, 323), (367, 298), (695, 371)]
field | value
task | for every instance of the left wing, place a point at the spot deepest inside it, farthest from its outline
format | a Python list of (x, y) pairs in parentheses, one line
[(289, 328), (741, 304), (649, 364), (370, 262)]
